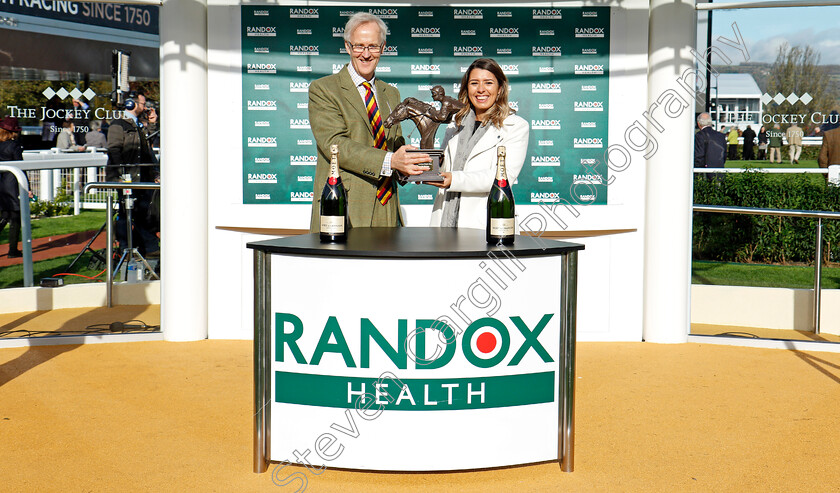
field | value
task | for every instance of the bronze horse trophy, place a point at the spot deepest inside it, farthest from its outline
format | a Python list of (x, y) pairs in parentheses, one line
[(427, 118)]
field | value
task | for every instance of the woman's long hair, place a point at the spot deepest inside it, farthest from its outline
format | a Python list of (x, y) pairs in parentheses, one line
[(500, 110)]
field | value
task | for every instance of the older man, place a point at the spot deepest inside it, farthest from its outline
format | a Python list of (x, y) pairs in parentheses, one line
[(709, 144), (348, 109)]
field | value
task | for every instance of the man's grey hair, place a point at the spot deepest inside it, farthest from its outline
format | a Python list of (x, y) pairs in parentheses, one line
[(704, 119), (360, 18), (95, 125)]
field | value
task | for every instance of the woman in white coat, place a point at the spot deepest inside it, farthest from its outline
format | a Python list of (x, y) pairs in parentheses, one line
[(470, 145)]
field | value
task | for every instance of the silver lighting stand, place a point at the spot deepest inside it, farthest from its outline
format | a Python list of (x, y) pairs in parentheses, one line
[(130, 254), (109, 186)]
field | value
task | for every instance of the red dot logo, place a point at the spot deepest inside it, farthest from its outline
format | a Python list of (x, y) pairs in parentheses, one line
[(486, 342)]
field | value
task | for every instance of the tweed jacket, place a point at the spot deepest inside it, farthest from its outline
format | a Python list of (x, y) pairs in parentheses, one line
[(337, 115)]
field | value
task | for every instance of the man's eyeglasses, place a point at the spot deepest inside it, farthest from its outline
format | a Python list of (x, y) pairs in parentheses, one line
[(361, 48)]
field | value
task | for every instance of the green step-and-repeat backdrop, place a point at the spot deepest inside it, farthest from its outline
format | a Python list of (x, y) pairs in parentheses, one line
[(556, 60)]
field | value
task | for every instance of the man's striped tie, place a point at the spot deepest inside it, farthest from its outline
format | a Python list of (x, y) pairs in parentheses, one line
[(385, 188)]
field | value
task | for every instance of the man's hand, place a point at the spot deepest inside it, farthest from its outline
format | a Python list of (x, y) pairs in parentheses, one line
[(410, 163), (152, 115)]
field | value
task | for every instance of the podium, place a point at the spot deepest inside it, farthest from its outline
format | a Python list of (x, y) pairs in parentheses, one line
[(456, 354)]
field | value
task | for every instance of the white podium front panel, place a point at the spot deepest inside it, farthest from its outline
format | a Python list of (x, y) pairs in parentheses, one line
[(414, 365)]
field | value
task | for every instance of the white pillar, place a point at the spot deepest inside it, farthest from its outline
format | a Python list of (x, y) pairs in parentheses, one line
[(667, 285), (183, 71)]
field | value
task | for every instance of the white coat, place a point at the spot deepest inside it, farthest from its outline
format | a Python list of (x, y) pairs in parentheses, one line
[(476, 180)]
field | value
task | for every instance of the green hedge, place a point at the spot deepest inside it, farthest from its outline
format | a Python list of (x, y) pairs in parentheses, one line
[(767, 239)]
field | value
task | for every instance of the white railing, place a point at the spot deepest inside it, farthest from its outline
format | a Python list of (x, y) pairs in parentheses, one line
[(52, 172)]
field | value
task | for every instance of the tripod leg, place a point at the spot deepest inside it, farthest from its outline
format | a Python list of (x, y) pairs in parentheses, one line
[(87, 247)]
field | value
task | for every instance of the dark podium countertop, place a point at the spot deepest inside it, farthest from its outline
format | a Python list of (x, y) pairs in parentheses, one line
[(418, 243)]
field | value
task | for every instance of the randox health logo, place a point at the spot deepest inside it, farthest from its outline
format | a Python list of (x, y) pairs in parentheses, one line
[(261, 31), (486, 343)]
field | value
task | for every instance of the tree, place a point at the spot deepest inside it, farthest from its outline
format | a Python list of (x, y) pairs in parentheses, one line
[(797, 70)]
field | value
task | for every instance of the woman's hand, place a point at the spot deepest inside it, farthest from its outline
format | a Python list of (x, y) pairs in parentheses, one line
[(447, 180)]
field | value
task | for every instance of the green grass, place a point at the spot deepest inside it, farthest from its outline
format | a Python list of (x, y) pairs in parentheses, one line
[(52, 226), (777, 276), (12, 276)]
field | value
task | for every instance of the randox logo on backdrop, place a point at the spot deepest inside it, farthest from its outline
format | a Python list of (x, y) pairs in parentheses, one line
[(425, 69), (304, 178), (303, 13), (545, 87), (262, 196), (304, 142), (588, 179), (546, 106), (301, 50), (262, 105), (303, 106), (587, 125), (303, 160), (589, 32), (546, 14), (301, 123), (546, 70), (300, 196), (425, 13), (263, 49), (467, 14), (261, 68), (262, 123), (299, 86), (588, 143), (385, 13), (537, 197), (425, 196), (588, 87), (504, 13), (546, 51), (545, 124), (304, 32), (467, 51), (545, 143), (545, 161), (504, 51), (337, 32), (510, 69), (390, 50), (467, 32), (261, 87), (589, 69), (589, 106), (262, 177), (504, 32), (260, 31), (546, 32), (262, 160), (425, 32), (545, 179), (588, 51), (262, 141), (261, 13), (303, 68), (589, 13)]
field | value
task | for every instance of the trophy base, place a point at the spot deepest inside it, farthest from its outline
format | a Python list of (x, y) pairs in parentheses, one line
[(434, 172)]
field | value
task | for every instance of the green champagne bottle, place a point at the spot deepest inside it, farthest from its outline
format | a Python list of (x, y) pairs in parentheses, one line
[(501, 228), (333, 204)]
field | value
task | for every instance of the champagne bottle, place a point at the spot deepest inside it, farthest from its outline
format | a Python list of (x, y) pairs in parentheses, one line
[(333, 204), (500, 207)]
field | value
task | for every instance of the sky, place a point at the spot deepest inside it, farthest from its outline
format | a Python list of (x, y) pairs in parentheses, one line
[(764, 30)]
